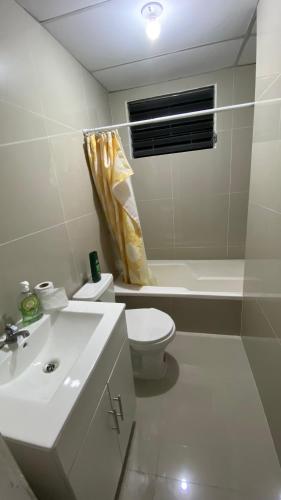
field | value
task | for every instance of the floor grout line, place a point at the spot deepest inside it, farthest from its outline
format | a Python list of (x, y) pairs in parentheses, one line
[(203, 484)]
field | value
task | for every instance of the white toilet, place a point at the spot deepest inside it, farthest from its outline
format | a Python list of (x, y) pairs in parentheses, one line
[(149, 330)]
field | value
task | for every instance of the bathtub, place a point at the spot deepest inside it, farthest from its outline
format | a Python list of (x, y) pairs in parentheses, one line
[(209, 279), (200, 295)]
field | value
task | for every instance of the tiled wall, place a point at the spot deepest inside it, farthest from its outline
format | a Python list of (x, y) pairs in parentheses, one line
[(49, 220), (261, 318), (194, 315), (194, 205)]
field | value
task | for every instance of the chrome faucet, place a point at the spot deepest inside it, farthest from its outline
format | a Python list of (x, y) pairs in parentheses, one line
[(11, 334)]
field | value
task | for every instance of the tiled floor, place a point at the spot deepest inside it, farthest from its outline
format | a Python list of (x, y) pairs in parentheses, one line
[(202, 434)]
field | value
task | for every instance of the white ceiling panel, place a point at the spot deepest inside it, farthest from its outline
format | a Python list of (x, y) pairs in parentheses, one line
[(108, 37), (113, 33), (248, 55), (46, 9), (173, 66)]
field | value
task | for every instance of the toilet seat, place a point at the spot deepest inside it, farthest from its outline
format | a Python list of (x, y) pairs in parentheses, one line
[(148, 326)]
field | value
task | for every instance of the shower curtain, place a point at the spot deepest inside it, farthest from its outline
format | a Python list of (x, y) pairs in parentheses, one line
[(111, 173)]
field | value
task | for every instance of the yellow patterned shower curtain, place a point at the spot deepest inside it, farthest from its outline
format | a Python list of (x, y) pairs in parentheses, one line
[(111, 175)]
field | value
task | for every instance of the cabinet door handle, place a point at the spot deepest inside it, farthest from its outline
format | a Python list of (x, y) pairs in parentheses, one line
[(119, 401), (117, 428)]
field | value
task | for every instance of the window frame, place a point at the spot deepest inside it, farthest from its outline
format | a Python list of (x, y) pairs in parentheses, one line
[(155, 95)]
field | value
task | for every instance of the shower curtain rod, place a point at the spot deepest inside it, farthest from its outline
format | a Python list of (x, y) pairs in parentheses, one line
[(173, 117)]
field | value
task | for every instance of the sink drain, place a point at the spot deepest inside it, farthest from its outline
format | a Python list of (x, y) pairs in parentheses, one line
[(51, 366)]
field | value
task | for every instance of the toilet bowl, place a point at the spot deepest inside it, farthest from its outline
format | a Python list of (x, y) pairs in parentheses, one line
[(149, 330)]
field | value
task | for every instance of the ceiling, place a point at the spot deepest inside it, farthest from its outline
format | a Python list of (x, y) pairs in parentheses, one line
[(108, 37)]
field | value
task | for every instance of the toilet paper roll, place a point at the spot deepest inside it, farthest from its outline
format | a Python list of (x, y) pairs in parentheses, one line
[(51, 298), (45, 287)]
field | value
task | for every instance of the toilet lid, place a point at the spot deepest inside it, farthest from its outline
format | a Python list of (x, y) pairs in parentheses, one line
[(148, 325)]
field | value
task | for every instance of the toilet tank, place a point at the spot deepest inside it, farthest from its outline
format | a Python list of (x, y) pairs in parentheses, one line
[(102, 291)]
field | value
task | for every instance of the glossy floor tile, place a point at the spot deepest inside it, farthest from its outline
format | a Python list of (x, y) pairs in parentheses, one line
[(201, 433)]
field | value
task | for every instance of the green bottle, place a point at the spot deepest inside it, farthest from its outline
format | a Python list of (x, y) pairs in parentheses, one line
[(95, 266), (29, 304)]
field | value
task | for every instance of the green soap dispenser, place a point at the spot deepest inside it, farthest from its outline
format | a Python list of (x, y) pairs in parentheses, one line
[(95, 266), (29, 304)]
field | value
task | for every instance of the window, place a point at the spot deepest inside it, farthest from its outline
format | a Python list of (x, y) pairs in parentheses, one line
[(173, 136)]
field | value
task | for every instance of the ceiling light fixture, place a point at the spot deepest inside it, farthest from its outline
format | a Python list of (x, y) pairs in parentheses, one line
[(151, 12)]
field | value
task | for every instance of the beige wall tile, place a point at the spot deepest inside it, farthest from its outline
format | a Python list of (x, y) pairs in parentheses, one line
[(44, 91), (127, 149), (236, 252), (244, 91), (209, 316), (273, 89), (19, 124), (254, 323), (152, 177), (238, 218), (160, 253), (241, 158), (208, 170), (72, 174), (264, 352), (204, 253), (265, 168), (156, 217), (263, 235), (19, 84), (193, 315), (262, 83), (96, 102), (29, 195), (86, 234), (267, 120), (61, 82), (43, 256), (263, 264), (195, 175), (201, 221), (261, 319), (270, 307)]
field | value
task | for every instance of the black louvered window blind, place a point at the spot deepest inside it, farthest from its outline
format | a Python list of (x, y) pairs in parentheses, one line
[(172, 136)]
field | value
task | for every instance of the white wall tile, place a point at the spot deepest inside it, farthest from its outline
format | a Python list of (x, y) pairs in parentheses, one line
[(44, 183), (29, 195), (197, 176), (261, 317)]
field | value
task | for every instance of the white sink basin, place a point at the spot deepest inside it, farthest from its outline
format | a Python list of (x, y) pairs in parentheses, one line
[(55, 341), (41, 377)]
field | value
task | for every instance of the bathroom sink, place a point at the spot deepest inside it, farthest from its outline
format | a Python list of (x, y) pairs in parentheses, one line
[(54, 344), (42, 376)]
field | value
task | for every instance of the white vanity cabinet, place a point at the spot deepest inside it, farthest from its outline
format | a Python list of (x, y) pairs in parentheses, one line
[(96, 472), (13, 485), (97, 468), (121, 391), (86, 459)]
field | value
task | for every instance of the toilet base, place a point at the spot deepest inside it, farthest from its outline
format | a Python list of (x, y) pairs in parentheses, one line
[(149, 365)]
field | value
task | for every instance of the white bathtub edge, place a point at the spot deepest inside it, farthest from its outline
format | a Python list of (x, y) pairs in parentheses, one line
[(153, 291)]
